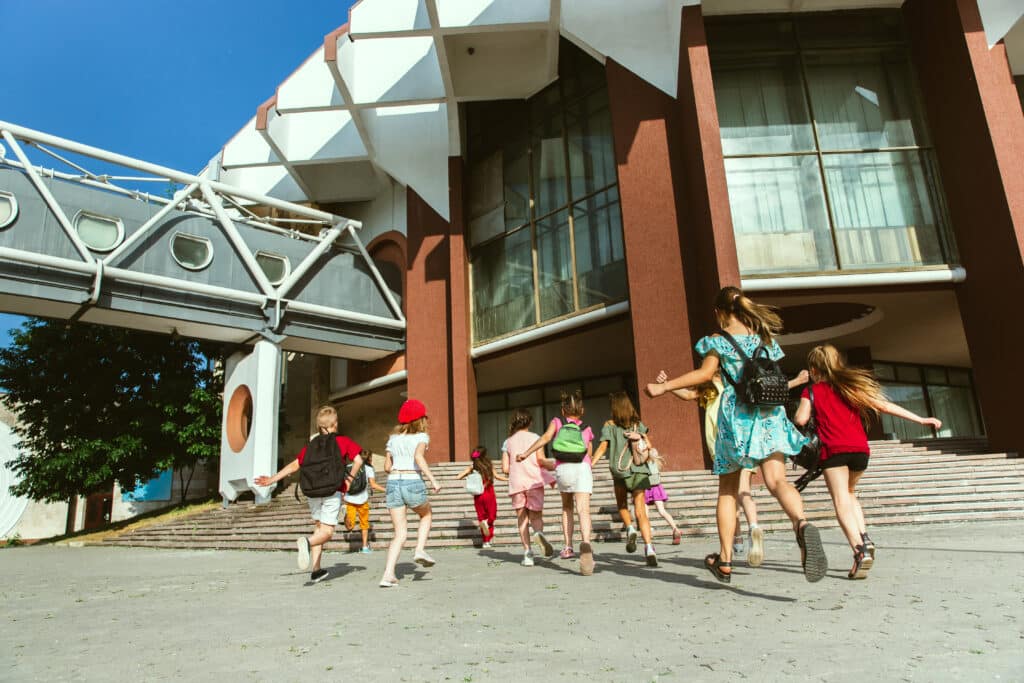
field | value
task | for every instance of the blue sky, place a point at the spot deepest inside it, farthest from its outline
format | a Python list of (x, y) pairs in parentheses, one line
[(167, 82)]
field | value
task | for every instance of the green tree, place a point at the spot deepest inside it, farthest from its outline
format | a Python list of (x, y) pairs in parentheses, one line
[(100, 404)]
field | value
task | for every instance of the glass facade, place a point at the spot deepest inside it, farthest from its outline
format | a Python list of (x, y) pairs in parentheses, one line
[(545, 228), (827, 154), (946, 393)]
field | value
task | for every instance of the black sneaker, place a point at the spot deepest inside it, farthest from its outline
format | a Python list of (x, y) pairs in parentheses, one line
[(318, 576)]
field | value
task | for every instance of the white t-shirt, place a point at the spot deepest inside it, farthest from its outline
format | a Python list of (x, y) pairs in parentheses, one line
[(364, 495), (402, 448)]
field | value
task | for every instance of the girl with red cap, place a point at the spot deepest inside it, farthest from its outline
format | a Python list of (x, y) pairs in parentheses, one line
[(406, 465)]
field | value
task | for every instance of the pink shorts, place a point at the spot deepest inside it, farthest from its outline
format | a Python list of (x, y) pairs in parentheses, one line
[(531, 499)]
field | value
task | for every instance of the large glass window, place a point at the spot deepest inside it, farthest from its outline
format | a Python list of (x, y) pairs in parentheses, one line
[(827, 155), (946, 393), (545, 228)]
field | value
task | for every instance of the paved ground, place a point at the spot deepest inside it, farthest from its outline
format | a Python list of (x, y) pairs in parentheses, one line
[(944, 602)]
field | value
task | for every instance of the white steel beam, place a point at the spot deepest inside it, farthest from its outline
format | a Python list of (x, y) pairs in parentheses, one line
[(236, 240), (145, 227)]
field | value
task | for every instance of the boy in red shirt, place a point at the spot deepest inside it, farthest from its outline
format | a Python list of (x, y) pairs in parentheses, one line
[(324, 510)]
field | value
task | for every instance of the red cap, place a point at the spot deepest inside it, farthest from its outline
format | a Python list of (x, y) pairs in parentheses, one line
[(411, 410)]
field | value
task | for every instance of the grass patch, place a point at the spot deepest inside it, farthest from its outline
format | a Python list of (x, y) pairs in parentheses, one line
[(143, 520)]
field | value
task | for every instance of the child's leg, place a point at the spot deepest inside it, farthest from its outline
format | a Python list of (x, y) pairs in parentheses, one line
[(725, 513), (364, 523), (481, 515), (567, 520), (838, 481), (660, 506), (398, 523), (774, 471), (490, 512), (583, 510), (858, 511), (746, 499), (621, 502), (523, 520), (426, 518), (321, 534), (642, 519)]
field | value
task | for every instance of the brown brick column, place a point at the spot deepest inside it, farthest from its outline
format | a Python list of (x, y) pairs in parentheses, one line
[(643, 127), (709, 244), (427, 358), (978, 130), (463, 393)]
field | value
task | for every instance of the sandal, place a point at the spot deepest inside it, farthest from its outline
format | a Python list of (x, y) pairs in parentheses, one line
[(812, 553), (861, 563), (677, 537), (869, 545), (713, 563)]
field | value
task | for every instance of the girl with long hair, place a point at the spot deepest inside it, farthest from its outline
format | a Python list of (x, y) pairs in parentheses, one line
[(486, 503), (844, 398), (406, 464), (749, 435), (625, 426)]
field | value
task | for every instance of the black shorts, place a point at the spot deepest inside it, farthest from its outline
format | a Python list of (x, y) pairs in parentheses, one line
[(857, 462)]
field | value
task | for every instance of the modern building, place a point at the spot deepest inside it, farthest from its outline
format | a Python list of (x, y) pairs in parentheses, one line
[(558, 189)]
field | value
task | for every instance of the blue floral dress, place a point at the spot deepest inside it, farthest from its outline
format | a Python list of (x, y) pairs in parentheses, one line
[(747, 434)]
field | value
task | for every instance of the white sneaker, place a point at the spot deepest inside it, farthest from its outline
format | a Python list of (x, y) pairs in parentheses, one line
[(423, 560), (546, 549), (527, 559), (755, 556), (651, 557), (303, 558), (486, 545)]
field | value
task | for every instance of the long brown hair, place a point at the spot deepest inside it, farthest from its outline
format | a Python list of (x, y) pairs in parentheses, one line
[(483, 464), (521, 419), (858, 387), (761, 319), (624, 413)]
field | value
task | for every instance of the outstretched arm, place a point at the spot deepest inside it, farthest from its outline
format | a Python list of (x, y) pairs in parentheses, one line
[(290, 468), (801, 378), (421, 460), (890, 408), (500, 477), (803, 412), (705, 373), (540, 443), (375, 486), (601, 449), (464, 473)]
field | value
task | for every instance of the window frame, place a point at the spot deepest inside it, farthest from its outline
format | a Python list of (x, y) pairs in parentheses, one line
[(13, 199), (81, 213), (197, 238)]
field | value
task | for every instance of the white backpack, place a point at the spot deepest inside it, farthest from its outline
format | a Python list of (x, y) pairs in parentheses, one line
[(474, 484)]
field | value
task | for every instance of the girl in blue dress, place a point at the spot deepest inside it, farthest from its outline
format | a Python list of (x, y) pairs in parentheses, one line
[(749, 436)]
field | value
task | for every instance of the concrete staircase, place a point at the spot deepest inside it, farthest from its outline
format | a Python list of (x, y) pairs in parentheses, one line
[(906, 483)]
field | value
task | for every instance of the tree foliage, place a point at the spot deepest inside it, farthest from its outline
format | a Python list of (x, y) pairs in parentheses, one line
[(100, 404)]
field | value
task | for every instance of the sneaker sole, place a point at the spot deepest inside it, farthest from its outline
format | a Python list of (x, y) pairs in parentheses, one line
[(547, 550), (756, 554), (424, 562), (652, 560), (303, 559), (631, 542), (816, 561), (865, 566), (321, 578), (586, 560)]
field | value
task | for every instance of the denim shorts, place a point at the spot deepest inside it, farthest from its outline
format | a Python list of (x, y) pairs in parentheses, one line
[(405, 492)]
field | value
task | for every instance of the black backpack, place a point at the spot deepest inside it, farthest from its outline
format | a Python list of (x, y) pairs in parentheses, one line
[(761, 382), (359, 483), (322, 471)]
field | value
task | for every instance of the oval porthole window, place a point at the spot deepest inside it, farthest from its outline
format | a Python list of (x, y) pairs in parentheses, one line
[(274, 266), (100, 233), (194, 253), (239, 418), (8, 209)]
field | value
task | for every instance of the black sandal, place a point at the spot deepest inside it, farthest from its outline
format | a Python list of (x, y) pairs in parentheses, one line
[(713, 563), (812, 553), (861, 563)]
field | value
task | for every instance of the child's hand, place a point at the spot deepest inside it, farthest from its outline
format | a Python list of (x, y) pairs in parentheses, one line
[(437, 487), (262, 480), (802, 377), (662, 377), (932, 422), (655, 390)]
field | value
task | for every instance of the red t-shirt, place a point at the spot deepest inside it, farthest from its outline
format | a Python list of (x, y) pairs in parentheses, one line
[(839, 425), (349, 450)]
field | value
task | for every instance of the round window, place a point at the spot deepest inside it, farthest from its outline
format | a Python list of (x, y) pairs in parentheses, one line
[(274, 266), (8, 209), (191, 252), (239, 418), (100, 233)]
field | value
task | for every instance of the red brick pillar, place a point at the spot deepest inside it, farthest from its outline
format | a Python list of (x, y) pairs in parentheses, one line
[(978, 131), (426, 312), (643, 127), (706, 226), (463, 385)]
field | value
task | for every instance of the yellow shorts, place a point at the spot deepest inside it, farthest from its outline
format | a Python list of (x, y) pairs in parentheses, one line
[(360, 512)]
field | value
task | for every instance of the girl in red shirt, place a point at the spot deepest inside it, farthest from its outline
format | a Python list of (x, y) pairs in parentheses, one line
[(843, 398)]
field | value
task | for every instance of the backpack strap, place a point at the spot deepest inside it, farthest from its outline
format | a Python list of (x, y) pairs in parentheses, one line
[(746, 359)]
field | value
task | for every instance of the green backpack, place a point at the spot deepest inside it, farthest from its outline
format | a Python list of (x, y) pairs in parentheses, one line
[(568, 445)]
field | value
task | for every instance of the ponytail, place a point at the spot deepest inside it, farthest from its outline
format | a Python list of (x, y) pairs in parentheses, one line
[(763, 320)]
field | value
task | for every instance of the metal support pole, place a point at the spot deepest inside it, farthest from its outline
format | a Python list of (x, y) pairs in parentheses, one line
[(385, 290), (236, 239), (144, 228), (326, 241)]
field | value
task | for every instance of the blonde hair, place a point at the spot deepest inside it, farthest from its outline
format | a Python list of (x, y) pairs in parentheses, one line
[(415, 427), (763, 320), (327, 419), (858, 387)]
